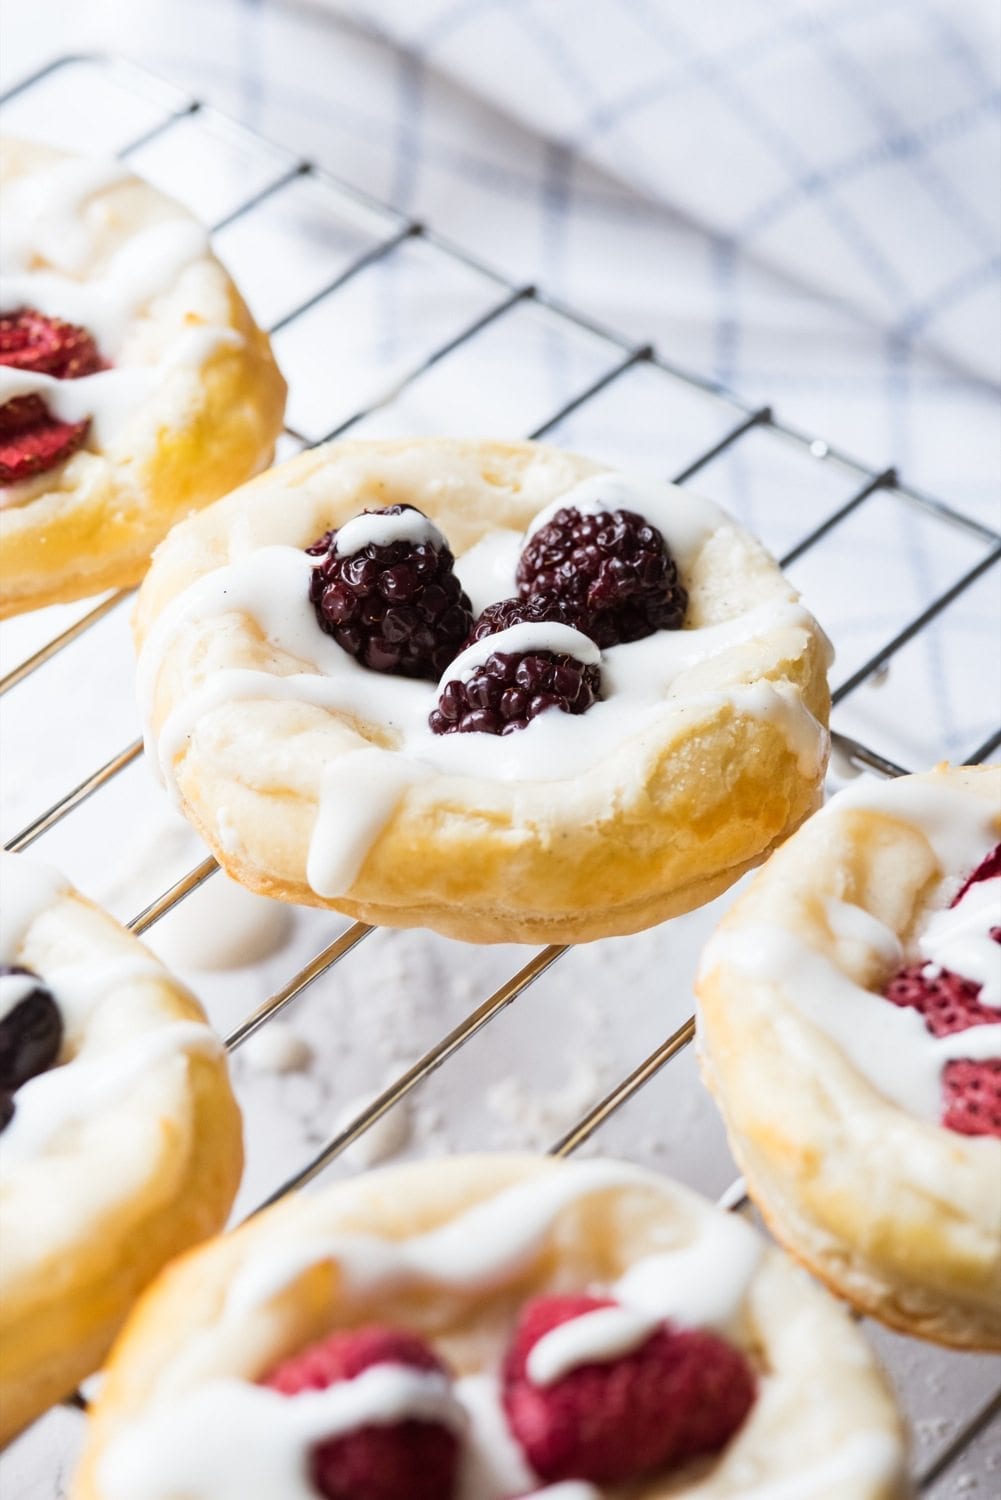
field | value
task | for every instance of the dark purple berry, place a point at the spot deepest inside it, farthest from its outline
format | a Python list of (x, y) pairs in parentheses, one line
[(6, 1109), (614, 565), (397, 607), (511, 688), (31, 1033)]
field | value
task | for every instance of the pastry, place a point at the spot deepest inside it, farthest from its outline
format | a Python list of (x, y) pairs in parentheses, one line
[(488, 1327), (369, 689), (134, 385), (121, 1141), (850, 1029)]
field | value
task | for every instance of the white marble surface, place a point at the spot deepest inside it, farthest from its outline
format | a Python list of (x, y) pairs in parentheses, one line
[(601, 1010)]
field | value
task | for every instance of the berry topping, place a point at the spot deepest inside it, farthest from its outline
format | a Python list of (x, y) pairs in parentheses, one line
[(613, 564), (6, 1109), (31, 440), (31, 1032), (396, 605), (512, 687), (47, 346), (682, 1393), (989, 868), (947, 1002), (378, 1461), (971, 1089)]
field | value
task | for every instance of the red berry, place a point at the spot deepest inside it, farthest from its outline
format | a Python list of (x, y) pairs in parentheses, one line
[(397, 607), (948, 1003), (971, 1090), (418, 1459), (31, 440), (39, 448), (682, 1393), (47, 346), (613, 564), (989, 868), (513, 687)]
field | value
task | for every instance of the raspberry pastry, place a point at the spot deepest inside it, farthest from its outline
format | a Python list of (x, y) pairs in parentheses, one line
[(134, 386), (486, 688), (851, 1031), (483, 1328), (121, 1141)]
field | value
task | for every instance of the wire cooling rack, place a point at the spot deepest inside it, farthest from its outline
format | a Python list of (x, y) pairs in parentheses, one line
[(340, 244)]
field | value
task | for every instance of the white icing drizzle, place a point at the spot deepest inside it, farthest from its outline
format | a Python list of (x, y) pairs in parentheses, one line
[(594, 1337), (270, 585), (48, 217), (221, 1441), (702, 1285), (959, 939), (28, 887), (371, 528), (45, 213), (492, 1465), (230, 1440), (487, 570), (542, 635), (959, 825), (54, 1101), (13, 989), (888, 1044)]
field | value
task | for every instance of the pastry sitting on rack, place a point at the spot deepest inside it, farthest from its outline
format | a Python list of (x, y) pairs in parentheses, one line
[(121, 1139), (489, 1327), (134, 385), (487, 688), (850, 1026)]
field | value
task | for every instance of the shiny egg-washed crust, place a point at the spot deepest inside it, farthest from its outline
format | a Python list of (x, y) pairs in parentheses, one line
[(901, 1217), (821, 1388), (87, 1223), (662, 825), (91, 523)]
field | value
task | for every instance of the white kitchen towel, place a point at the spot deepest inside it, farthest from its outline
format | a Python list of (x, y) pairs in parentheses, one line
[(853, 144)]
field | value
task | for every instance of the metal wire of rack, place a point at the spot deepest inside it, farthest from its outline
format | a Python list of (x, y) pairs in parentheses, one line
[(626, 356)]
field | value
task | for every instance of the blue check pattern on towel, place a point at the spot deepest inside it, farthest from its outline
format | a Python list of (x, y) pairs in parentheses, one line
[(855, 145)]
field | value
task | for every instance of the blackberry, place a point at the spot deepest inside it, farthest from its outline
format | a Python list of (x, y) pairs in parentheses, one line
[(6, 1109), (614, 564), (31, 1033), (511, 688), (396, 606)]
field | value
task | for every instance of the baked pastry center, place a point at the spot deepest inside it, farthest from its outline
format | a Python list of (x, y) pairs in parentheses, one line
[(472, 695)]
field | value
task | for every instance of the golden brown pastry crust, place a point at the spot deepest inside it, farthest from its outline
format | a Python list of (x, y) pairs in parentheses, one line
[(900, 1216), (89, 1220), (663, 824), (823, 1390), (91, 523)]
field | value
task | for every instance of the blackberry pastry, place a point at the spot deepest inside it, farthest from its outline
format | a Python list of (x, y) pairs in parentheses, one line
[(486, 688), (121, 1139)]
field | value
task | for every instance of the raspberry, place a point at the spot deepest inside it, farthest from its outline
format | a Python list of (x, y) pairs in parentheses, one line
[(513, 687), (971, 1090), (416, 1458), (948, 1003), (396, 607), (682, 1393), (31, 1033), (989, 868), (31, 440), (47, 346), (39, 448), (613, 564)]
